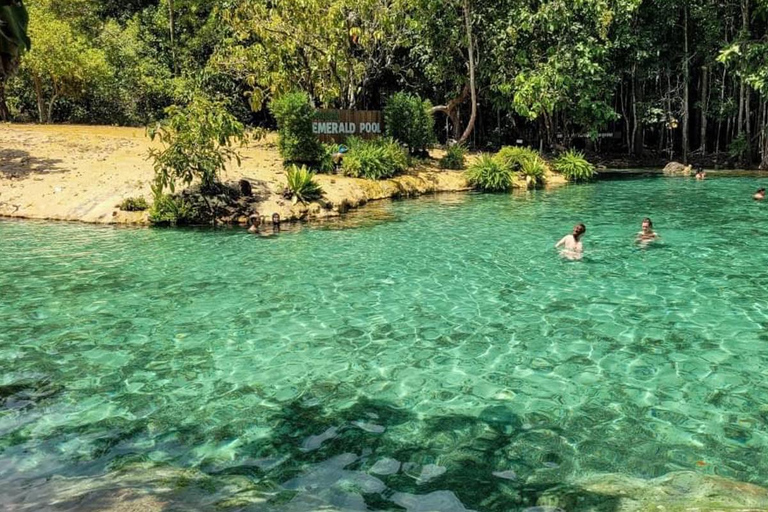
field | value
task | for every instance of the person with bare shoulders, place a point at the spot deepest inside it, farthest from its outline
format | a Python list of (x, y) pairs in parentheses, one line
[(255, 220), (647, 234), (572, 247), (759, 195), (700, 174)]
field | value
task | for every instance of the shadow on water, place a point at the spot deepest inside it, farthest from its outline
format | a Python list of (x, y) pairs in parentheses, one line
[(363, 457), (18, 164)]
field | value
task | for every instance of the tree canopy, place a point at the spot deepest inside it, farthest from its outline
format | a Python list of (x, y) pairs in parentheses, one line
[(682, 78)]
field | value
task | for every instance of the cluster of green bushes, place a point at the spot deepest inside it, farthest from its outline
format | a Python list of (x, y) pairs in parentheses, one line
[(375, 159), (134, 204), (408, 120), (517, 164), (574, 167), (409, 129), (455, 157)]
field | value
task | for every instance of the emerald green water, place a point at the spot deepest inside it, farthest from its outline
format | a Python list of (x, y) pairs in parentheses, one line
[(440, 357)]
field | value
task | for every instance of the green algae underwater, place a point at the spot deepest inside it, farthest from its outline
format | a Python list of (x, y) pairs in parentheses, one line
[(439, 357)]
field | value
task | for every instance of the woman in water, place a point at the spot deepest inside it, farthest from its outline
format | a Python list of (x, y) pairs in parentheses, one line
[(647, 234), (571, 244)]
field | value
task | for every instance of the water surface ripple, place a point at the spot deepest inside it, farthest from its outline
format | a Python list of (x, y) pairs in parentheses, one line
[(444, 358)]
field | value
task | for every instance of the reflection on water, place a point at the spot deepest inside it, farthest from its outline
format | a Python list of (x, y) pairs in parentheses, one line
[(441, 356)]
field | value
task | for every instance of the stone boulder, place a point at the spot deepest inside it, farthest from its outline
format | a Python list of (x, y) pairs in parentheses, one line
[(677, 169), (674, 492)]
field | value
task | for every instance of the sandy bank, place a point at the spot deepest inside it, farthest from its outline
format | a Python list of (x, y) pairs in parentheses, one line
[(82, 173)]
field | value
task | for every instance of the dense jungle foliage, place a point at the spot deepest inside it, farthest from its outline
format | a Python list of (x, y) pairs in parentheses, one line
[(682, 78)]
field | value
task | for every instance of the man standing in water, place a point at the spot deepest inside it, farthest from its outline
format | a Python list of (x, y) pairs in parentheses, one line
[(571, 244)]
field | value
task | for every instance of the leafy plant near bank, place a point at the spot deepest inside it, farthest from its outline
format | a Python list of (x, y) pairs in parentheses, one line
[(297, 142), (525, 162), (533, 171), (374, 159), (302, 184), (574, 166), (455, 157), (168, 209), (409, 120), (134, 204), (326, 164), (199, 140), (489, 175)]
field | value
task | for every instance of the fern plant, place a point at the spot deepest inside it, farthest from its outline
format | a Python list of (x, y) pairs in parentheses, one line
[(489, 175), (302, 184), (575, 167), (374, 159), (534, 172), (454, 157)]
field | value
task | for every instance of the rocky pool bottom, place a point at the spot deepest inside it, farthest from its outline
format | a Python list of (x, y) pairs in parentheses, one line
[(438, 357)]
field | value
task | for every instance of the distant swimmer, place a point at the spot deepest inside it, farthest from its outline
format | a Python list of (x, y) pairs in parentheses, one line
[(255, 220), (759, 195), (700, 174), (647, 234), (572, 247)]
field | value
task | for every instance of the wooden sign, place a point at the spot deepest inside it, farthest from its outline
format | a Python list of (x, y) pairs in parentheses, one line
[(337, 125)]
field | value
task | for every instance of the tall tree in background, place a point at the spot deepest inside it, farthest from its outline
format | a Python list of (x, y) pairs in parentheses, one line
[(13, 42)]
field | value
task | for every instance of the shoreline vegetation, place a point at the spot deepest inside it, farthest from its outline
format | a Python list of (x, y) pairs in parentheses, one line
[(85, 173)]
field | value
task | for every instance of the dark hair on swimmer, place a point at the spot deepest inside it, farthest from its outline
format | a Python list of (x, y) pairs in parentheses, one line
[(649, 221), (760, 190)]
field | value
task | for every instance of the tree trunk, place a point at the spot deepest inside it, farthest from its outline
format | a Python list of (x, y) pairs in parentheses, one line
[(704, 108), (172, 31), (472, 87), (5, 114), (40, 102), (50, 107), (686, 91), (452, 110)]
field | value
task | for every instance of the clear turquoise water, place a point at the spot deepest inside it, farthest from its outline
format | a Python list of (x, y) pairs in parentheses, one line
[(437, 357)]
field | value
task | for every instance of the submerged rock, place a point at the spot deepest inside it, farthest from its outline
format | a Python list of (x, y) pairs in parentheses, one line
[(679, 491)]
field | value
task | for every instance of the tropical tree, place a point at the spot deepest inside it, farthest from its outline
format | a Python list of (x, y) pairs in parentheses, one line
[(62, 63), (13, 42)]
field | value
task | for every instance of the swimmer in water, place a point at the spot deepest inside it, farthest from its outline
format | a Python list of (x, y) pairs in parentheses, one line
[(255, 220), (759, 195), (571, 244), (647, 234), (700, 174), (276, 222)]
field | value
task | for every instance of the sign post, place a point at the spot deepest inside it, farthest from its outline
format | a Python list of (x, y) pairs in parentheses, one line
[(337, 125)]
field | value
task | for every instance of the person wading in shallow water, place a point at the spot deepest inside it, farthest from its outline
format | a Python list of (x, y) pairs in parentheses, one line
[(759, 195), (571, 244), (276, 222)]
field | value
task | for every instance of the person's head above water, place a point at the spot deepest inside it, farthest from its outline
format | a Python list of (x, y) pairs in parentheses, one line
[(579, 230), (647, 224), (275, 218), (761, 191)]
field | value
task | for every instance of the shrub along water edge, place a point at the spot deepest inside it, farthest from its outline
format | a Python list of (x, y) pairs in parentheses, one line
[(489, 175), (374, 159)]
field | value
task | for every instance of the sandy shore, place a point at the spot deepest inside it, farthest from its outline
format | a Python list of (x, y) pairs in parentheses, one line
[(82, 173)]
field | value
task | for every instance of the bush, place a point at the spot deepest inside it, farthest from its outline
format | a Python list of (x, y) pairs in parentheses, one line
[(326, 164), (374, 159), (302, 184), (409, 120), (574, 166), (168, 209), (297, 142), (134, 204), (454, 157), (534, 171), (514, 157), (489, 175), (526, 162)]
